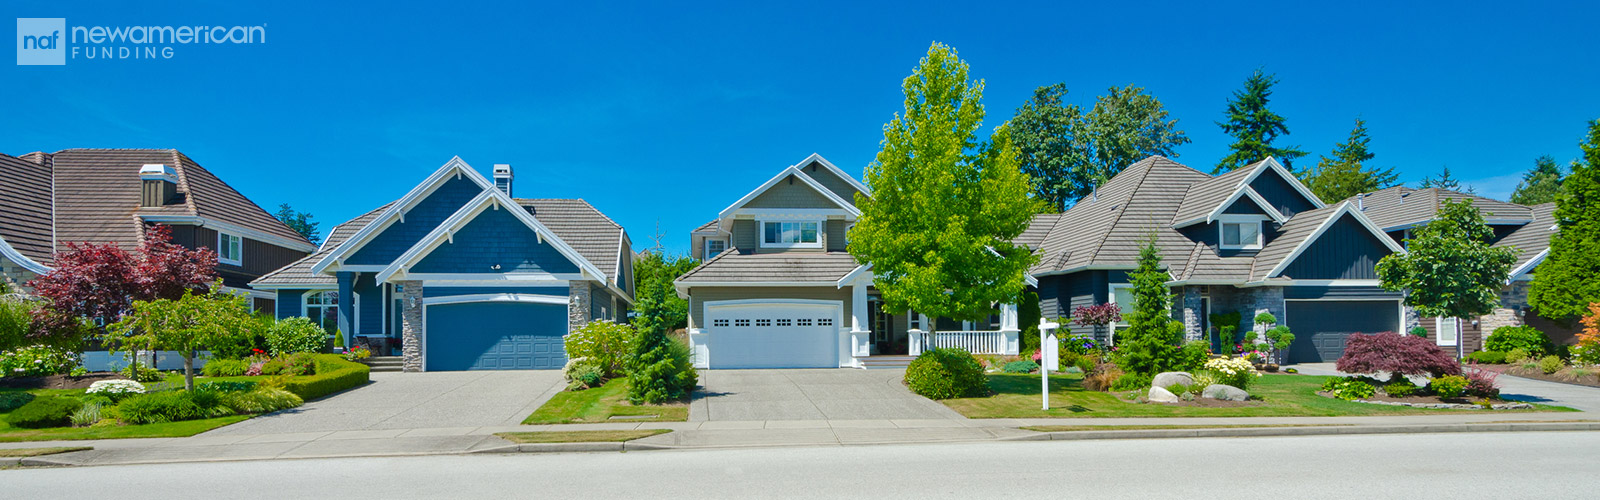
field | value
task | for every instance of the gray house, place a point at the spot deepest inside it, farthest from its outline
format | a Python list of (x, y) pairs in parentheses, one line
[(458, 275), (1251, 240)]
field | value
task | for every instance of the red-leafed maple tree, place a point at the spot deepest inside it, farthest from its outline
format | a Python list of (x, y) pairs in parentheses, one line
[(102, 281), (1397, 354)]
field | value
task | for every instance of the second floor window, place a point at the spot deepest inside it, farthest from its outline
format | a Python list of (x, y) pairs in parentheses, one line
[(790, 234), (230, 249), (1241, 234), (714, 247)]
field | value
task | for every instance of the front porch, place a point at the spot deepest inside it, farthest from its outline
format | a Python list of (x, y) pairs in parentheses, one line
[(880, 339)]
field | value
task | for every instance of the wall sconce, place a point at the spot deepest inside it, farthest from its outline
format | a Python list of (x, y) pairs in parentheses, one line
[(495, 267), (411, 301)]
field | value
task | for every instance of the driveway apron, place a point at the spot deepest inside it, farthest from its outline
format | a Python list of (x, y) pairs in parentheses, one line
[(813, 394), (416, 401)]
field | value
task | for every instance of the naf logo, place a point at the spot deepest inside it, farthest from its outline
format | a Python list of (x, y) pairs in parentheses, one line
[(41, 41)]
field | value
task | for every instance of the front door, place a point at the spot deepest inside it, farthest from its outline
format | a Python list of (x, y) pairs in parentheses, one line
[(886, 338)]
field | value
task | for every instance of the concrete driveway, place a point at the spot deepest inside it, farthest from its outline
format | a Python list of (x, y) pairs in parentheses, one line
[(816, 394), (417, 401)]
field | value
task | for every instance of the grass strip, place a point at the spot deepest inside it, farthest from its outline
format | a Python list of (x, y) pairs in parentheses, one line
[(600, 404), (35, 452), (579, 436), (1081, 428), (185, 428)]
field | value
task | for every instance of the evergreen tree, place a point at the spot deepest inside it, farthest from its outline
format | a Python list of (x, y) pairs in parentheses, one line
[(1540, 184), (659, 370), (1254, 127), (1066, 152), (1446, 182), (300, 222), (1346, 173), (1153, 340), (1565, 284)]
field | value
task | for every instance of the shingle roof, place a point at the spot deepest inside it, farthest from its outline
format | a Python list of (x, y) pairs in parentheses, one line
[(1534, 237), (800, 267), (1203, 197), (707, 227), (1401, 206), (25, 206)]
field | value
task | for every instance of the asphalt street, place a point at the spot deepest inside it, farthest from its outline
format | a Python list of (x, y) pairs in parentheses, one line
[(1546, 465)]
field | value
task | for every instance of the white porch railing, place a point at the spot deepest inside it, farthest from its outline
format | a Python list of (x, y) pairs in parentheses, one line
[(976, 342)]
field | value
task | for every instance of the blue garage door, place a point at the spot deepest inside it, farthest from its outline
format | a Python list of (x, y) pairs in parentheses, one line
[(1321, 326), (496, 336)]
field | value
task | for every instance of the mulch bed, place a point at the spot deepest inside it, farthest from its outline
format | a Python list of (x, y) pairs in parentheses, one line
[(58, 381)]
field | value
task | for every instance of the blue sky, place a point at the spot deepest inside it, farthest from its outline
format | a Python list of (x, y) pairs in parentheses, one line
[(667, 112)]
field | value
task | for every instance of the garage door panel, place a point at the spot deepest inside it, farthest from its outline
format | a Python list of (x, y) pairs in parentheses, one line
[(495, 336), (774, 336), (1321, 326)]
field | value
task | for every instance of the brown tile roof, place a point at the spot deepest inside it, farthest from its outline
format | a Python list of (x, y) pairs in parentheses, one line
[(799, 267), (25, 206), (595, 236)]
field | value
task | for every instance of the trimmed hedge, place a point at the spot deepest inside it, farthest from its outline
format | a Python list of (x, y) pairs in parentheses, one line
[(13, 400), (946, 373), (1527, 338), (1488, 357), (48, 411), (334, 374)]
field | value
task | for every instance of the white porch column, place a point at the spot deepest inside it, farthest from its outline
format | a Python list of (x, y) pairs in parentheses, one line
[(860, 332), (1008, 327)]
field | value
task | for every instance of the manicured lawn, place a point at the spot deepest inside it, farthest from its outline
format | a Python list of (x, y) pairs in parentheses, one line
[(35, 452), (1017, 396), (579, 436), (170, 429), (600, 404), (1081, 428)]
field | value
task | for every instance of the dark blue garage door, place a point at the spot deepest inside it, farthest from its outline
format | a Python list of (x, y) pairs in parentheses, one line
[(496, 336), (1321, 326)]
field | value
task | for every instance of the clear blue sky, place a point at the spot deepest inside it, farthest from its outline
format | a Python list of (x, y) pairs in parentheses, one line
[(669, 112)]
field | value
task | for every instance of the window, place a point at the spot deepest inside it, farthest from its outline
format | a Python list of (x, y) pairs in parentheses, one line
[(741, 322), (1122, 296), (1447, 328), (229, 249), (790, 234), (1241, 234), (720, 323), (323, 309), (784, 322), (802, 322), (824, 321), (714, 247), (763, 322)]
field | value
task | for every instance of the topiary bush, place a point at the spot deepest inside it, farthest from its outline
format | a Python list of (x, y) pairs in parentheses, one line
[(946, 373), (333, 374), (1399, 355), (1551, 364), (1452, 386), (1020, 367), (1524, 337), (296, 334), (48, 411), (1488, 357), (605, 343)]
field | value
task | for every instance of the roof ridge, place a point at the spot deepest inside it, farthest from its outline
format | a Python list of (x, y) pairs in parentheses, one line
[(262, 211)]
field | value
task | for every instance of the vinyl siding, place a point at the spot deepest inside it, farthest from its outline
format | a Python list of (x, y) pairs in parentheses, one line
[(1345, 251), (289, 303), (791, 193), (744, 235), (1278, 192), (421, 219), (495, 238), (371, 305), (699, 296)]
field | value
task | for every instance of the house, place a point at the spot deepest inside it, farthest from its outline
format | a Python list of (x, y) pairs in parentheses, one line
[(777, 287), (1251, 240), (458, 275), (113, 195), (1527, 229)]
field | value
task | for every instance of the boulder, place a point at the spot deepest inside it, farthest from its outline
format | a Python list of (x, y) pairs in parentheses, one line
[(1169, 379), (1224, 392), (1159, 395)]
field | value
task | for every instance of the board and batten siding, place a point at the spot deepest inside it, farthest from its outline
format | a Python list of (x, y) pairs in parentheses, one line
[(1346, 251), (699, 296), (419, 221), (1280, 194)]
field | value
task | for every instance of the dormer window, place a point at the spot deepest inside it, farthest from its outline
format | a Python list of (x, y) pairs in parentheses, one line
[(715, 247), (798, 234), (1241, 233)]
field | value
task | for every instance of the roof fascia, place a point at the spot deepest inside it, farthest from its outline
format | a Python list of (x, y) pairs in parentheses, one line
[(485, 200), (397, 211)]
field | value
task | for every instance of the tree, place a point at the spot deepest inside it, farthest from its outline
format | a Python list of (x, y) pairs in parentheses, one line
[(1346, 173), (1067, 153), (1254, 127), (1539, 184), (1449, 269), (1153, 341), (300, 222), (653, 273), (659, 368), (1445, 181), (189, 324), (1564, 284), (945, 209)]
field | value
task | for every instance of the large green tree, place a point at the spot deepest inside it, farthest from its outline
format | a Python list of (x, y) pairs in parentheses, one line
[(1254, 127), (1066, 152), (1153, 340), (1347, 173), (1445, 181), (945, 206), (1539, 184), (1449, 269), (1566, 282)]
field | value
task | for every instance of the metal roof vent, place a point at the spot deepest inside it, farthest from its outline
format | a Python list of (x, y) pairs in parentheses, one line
[(502, 178)]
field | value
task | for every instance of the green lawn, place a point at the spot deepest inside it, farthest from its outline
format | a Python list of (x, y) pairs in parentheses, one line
[(170, 429), (579, 436), (1017, 396), (600, 404)]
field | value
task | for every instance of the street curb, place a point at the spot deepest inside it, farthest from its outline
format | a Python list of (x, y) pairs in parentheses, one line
[(1308, 431), (570, 447)]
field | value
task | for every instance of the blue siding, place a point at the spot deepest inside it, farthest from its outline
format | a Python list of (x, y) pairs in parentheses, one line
[(447, 291), (495, 237), (1345, 251), (422, 218), (1282, 196), (495, 336), (289, 303), (371, 305)]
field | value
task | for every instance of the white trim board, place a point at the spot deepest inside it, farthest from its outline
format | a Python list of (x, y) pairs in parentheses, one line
[(727, 213), (489, 198), (396, 211)]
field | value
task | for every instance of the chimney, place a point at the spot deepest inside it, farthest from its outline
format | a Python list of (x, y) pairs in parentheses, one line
[(158, 185), (502, 178)]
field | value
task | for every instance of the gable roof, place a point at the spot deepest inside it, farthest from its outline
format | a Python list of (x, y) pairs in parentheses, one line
[(396, 211), (1301, 232), (792, 170), (497, 200), (1206, 200), (836, 171), (299, 272), (1400, 207), (1532, 239)]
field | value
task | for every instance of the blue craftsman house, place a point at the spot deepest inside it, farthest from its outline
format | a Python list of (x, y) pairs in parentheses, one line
[(459, 275)]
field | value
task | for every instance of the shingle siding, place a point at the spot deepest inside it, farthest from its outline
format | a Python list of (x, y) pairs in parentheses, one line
[(791, 193), (840, 187), (1346, 251), (419, 220), (495, 238), (834, 234)]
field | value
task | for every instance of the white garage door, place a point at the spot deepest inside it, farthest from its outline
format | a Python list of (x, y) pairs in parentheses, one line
[(773, 336)]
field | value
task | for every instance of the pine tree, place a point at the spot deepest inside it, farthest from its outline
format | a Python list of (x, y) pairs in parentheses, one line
[(1446, 182), (1067, 152), (1346, 173), (1565, 284), (1152, 342), (1254, 126), (1539, 184)]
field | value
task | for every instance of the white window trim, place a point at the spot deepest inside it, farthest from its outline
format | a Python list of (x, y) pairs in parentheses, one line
[(1111, 297), (306, 305), (707, 249), (1242, 219), (221, 237), (1439, 329), (761, 229)]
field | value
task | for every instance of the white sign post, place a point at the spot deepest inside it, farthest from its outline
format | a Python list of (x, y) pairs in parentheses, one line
[(1049, 357)]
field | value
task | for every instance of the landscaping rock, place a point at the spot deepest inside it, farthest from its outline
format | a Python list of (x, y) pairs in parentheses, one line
[(1159, 395), (1169, 379), (1224, 392)]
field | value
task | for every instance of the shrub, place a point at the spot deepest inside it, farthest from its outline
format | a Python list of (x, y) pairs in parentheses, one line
[(171, 406), (13, 400), (294, 335), (1193, 356), (1400, 389), (16, 320), (86, 415), (582, 373), (116, 390), (261, 400), (1131, 382), (1551, 364), (946, 373), (660, 368), (1586, 352), (1397, 354), (1577, 373), (1488, 357), (226, 367), (37, 361), (1236, 372), (1517, 355), (1481, 383), (1020, 367), (333, 374), (142, 373), (606, 343), (1102, 378), (1522, 337), (1417, 331), (227, 386), (253, 337), (48, 411), (1086, 364), (1348, 389), (1451, 386)]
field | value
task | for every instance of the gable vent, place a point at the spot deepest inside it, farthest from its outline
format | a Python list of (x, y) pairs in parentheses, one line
[(502, 178)]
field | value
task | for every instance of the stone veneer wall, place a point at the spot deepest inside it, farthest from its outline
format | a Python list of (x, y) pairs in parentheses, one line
[(14, 276), (578, 303), (1190, 311), (1513, 303), (1249, 302), (411, 324)]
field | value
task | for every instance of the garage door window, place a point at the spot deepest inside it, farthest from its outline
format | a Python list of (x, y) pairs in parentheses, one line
[(741, 322), (784, 322), (824, 321), (764, 322), (719, 323)]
